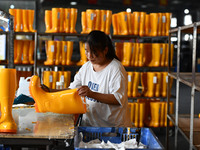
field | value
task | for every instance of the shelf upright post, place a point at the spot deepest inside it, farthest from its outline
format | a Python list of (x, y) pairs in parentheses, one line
[(177, 86), (193, 84), (11, 43), (35, 54)]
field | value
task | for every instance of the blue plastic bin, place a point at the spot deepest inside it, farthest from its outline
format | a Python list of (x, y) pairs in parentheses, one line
[(115, 135)]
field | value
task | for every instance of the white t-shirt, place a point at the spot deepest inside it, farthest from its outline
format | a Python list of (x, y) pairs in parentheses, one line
[(111, 80)]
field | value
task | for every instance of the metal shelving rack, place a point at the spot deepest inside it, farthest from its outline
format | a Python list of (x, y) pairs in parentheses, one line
[(190, 79)]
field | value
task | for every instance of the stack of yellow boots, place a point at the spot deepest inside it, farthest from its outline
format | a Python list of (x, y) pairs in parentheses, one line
[(23, 20), (61, 20), (83, 58), (96, 20)]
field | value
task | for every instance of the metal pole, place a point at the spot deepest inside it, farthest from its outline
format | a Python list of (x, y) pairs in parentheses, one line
[(11, 43)]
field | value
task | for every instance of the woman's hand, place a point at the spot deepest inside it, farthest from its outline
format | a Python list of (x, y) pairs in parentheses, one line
[(84, 91)]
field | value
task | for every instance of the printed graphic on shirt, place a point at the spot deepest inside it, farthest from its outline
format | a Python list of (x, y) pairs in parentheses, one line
[(93, 87)]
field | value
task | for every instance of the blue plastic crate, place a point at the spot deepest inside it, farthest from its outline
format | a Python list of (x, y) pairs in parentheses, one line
[(115, 135)]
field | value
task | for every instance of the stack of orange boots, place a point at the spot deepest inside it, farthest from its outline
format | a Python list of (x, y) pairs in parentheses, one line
[(59, 52), (23, 20), (61, 20), (23, 51), (96, 20)]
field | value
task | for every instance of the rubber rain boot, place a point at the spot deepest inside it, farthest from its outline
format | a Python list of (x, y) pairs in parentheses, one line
[(63, 102), (133, 54), (25, 50), (151, 81), (83, 58), (55, 20), (90, 13), (18, 20), (83, 22), (141, 114), (18, 59), (73, 19), (118, 50), (171, 111), (155, 114), (103, 20), (25, 15), (124, 23), (159, 24), (135, 84), (162, 113), (64, 52), (127, 49), (168, 22), (55, 79), (129, 23), (31, 20), (131, 108), (130, 83), (156, 55), (144, 83), (58, 52), (136, 116), (157, 91), (48, 20), (67, 78), (62, 15), (115, 24), (136, 21), (108, 21), (147, 53), (67, 20), (50, 51), (136, 54), (47, 78), (69, 52), (7, 94), (31, 51), (97, 19), (141, 55), (164, 84), (163, 24), (142, 24), (163, 54), (14, 14), (153, 24), (147, 25)]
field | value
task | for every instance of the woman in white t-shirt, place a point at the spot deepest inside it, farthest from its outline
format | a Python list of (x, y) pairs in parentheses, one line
[(103, 81)]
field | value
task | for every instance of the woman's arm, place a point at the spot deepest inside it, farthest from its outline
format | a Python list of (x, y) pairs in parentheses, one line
[(103, 98)]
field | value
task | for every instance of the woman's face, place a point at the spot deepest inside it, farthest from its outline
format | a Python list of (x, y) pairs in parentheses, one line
[(99, 58)]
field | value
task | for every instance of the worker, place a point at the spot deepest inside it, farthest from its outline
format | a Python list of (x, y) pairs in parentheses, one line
[(103, 82)]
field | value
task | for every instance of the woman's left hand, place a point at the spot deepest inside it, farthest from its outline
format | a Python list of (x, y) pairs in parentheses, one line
[(84, 91)]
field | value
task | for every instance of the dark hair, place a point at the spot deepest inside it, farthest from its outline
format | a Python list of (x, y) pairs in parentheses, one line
[(98, 41)]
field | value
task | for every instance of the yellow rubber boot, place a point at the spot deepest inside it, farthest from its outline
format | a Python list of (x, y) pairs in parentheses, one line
[(64, 102), (13, 13), (31, 51), (73, 19), (162, 54), (83, 22), (156, 55), (167, 56), (168, 22), (61, 24), (135, 84), (55, 20), (58, 52), (103, 20), (118, 50), (25, 15), (127, 49), (151, 81), (19, 20), (144, 83), (108, 21), (136, 121), (171, 111), (142, 24), (163, 32), (147, 25), (141, 55), (147, 53), (64, 52), (50, 51), (69, 52), (119, 28), (133, 54), (129, 23), (157, 91), (47, 78), (136, 21), (159, 24), (55, 79), (67, 78), (136, 54), (131, 108), (67, 20), (19, 52), (115, 24), (7, 94), (124, 23), (155, 114), (153, 24), (141, 114), (164, 84), (90, 13), (83, 58), (48, 20), (162, 114), (130, 83), (26, 44), (31, 20), (97, 19)]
